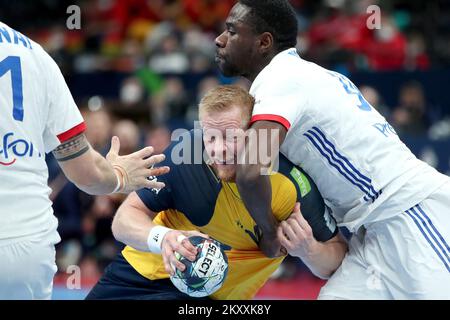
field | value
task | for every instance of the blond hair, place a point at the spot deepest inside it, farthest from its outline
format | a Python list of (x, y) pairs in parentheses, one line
[(225, 97)]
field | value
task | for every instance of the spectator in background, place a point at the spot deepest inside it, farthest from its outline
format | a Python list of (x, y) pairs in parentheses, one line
[(166, 53), (210, 14), (205, 85), (416, 53), (411, 116), (99, 126), (128, 133), (170, 104), (158, 137), (342, 37), (386, 48), (131, 92)]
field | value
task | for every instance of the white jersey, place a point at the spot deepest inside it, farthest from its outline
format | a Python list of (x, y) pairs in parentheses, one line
[(362, 169), (37, 113)]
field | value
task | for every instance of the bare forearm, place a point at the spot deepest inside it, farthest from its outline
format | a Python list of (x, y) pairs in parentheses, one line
[(325, 258), (253, 181), (94, 174), (85, 167), (132, 228), (99, 178), (254, 184), (256, 193)]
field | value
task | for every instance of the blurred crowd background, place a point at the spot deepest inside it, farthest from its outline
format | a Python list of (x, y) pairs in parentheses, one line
[(138, 68)]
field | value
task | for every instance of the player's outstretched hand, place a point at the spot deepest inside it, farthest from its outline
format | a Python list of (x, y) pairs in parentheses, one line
[(135, 169), (296, 235), (176, 241)]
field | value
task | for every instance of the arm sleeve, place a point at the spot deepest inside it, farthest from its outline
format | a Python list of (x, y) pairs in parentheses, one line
[(313, 208), (64, 120), (277, 100)]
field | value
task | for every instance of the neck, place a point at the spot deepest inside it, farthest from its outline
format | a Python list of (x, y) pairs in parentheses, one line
[(258, 67)]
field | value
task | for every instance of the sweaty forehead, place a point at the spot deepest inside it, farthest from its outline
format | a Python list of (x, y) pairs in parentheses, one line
[(238, 14)]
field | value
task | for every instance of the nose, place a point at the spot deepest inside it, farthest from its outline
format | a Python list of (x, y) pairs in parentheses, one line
[(221, 40), (219, 149)]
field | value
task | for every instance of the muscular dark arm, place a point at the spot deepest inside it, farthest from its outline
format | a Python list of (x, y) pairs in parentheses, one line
[(254, 187)]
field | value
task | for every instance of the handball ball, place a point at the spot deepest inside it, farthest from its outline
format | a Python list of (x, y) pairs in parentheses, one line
[(206, 274)]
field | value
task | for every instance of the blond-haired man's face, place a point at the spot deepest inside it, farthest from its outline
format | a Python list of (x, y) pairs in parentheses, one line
[(223, 135)]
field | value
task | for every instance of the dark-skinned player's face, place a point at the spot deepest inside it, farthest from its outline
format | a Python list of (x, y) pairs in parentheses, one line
[(236, 45)]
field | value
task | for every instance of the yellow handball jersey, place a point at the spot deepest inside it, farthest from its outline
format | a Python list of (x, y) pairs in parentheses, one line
[(195, 199)]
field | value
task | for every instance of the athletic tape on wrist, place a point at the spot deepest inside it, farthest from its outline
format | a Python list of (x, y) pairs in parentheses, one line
[(156, 237)]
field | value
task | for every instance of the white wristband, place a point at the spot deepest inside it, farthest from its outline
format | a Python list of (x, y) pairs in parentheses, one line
[(156, 237)]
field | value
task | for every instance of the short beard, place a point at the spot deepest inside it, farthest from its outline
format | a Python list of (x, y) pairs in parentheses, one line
[(228, 70), (226, 175)]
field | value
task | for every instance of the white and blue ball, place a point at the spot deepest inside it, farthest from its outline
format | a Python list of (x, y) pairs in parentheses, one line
[(206, 274)]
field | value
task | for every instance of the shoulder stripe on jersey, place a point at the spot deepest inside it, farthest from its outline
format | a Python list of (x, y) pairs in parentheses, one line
[(271, 117), (334, 155), (310, 138), (328, 142), (427, 233), (72, 132), (349, 172)]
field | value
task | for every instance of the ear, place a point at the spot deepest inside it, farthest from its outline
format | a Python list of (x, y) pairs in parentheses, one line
[(265, 42)]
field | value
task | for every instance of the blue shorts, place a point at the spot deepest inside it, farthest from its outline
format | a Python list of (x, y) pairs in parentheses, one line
[(122, 282)]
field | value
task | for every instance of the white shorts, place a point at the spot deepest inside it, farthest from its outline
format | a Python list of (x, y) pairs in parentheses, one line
[(27, 269), (405, 257)]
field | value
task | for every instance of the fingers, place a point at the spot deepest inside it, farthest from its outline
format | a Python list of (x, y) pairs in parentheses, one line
[(166, 253), (154, 160), (187, 249), (283, 239), (296, 208), (296, 225), (115, 146), (150, 184), (176, 242), (144, 153), (158, 171), (177, 263), (289, 231), (170, 261), (301, 221)]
